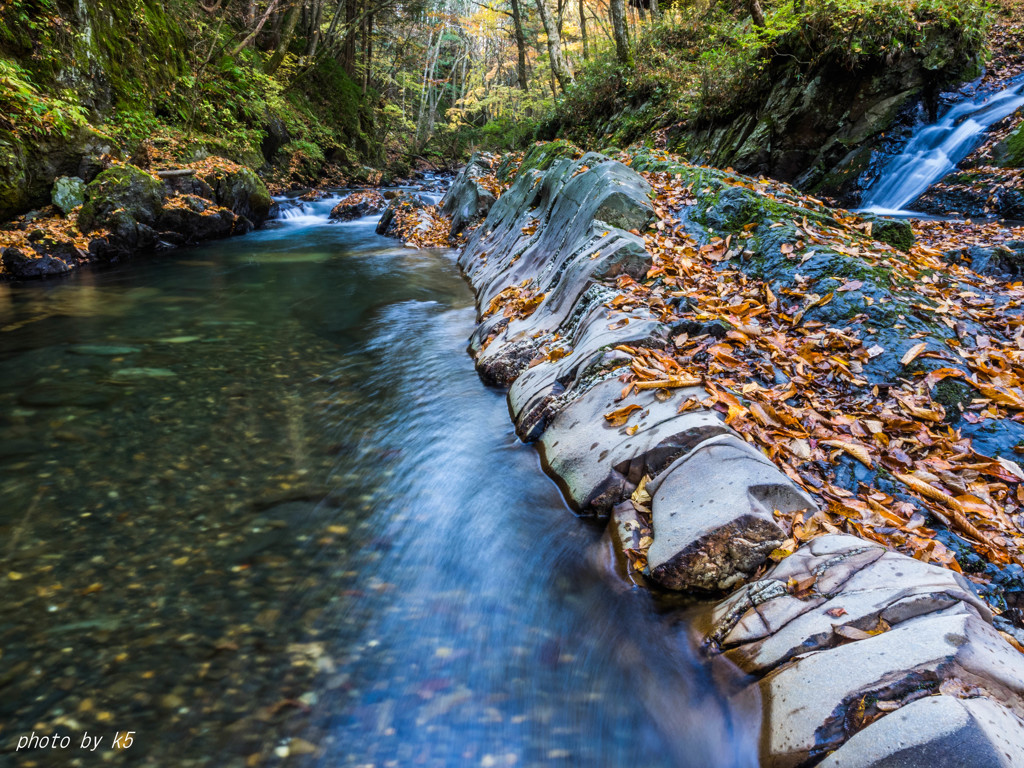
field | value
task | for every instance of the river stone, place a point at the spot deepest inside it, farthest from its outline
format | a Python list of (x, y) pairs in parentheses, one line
[(938, 732), (144, 373), (467, 201), (102, 350), (712, 514), (364, 204), (895, 232), (818, 701), (598, 465), (120, 197), (854, 583), (558, 211), (189, 219), (68, 193), (406, 201), (238, 189), (29, 266), (541, 391)]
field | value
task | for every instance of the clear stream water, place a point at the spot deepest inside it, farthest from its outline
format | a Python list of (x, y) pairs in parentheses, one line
[(257, 508), (935, 149)]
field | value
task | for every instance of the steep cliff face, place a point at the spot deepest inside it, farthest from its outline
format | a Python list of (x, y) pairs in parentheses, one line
[(821, 129), (810, 98)]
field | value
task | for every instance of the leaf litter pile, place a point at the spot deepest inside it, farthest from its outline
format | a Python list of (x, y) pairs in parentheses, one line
[(798, 389)]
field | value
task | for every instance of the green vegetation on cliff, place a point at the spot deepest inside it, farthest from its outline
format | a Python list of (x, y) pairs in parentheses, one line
[(173, 81), (703, 65)]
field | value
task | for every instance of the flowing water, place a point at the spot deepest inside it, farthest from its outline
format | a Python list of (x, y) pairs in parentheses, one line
[(935, 149), (257, 508)]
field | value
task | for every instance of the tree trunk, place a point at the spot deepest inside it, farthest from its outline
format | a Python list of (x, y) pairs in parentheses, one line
[(348, 47), (622, 54), (583, 31), (249, 38), (367, 52), (517, 21), (313, 35), (755, 12), (558, 66), (291, 20), (655, 10)]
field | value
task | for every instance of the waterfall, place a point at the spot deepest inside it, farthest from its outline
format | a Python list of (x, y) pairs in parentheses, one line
[(936, 149)]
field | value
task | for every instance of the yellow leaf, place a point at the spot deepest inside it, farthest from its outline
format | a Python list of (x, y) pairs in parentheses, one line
[(620, 416), (640, 495), (913, 352)]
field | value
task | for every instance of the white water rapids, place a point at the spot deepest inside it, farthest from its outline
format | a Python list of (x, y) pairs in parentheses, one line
[(936, 149)]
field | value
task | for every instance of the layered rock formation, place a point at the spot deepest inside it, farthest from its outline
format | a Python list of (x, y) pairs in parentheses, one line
[(861, 656)]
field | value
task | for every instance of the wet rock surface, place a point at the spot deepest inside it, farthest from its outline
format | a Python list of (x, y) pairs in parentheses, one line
[(841, 635), (357, 205), (845, 634), (467, 201), (125, 210), (405, 201)]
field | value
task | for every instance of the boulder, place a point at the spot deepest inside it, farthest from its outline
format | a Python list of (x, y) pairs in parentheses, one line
[(938, 732), (190, 219), (239, 189), (187, 184), (848, 638), (68, 193), (819, 700), (896, 232), (467, 200), (121, 199), (404, 201), (24, 265), (1002, 261), (847, 582), (712, 515), (29, 165), (357, 205)]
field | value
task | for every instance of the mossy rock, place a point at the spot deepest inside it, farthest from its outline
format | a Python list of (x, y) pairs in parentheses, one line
[(895, 232), (68, 193), (735, 208), (123, 190), (1009, 153), (13, 177), (543, 156), (953, 395), (239, 189)]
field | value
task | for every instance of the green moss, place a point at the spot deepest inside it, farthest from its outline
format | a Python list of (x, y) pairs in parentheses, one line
[(953, 395), (895, 232), (1010, 152), (121, 191), (540, 157)]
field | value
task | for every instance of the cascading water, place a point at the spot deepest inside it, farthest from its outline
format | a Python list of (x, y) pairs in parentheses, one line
[(937, 148)]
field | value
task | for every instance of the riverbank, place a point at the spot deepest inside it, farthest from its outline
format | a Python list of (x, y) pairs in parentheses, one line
[(660, 327), (127, 212)]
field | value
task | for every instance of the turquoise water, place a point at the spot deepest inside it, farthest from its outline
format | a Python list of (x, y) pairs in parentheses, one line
[(258, 509)]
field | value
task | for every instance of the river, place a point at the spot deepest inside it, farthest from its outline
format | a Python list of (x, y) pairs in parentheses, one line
[(258, 509)]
